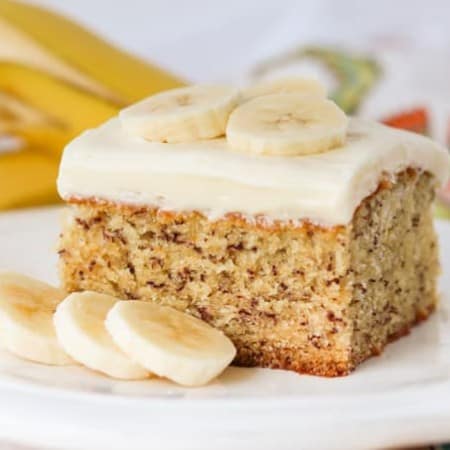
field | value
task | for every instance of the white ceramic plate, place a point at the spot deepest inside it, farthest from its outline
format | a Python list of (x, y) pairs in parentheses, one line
[(399, 398)]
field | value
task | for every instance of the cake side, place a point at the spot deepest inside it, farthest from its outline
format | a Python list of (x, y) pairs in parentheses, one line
[(298, 297), (275, 291), (210, 177), (394, 263)]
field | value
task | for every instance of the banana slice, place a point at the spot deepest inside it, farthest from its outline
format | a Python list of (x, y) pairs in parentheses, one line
[(169, 343), (26, 311), (181, 115), (286, 125), (286, 85), (79, 322)]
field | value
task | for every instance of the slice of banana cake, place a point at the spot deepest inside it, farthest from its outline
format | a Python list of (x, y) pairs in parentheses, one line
[(306, 236)]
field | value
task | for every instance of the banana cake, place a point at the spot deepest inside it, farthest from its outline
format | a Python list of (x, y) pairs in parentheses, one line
[(305, 236)]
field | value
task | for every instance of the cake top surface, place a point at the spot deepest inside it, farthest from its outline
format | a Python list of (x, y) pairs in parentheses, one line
[(287, 153), (108, 163)]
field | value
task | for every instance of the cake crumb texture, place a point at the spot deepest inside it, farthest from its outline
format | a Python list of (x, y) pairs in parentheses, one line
[(301, 297)]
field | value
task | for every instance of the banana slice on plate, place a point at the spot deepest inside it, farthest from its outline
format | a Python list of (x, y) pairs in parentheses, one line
[(169, 343), (80, 327), (181, 115), (286, 85), (286, 125), (26, 319)]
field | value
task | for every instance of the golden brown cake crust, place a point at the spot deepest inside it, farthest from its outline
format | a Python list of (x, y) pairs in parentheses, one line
[(288, 359), (290, 295)]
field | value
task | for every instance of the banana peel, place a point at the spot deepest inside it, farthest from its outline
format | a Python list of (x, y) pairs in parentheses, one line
[(14, 111), (123, 75), (17, 47), (61, 102), (47, 138), (31, 125), (27, 178), (66, 110), (45, 113), (56, 80)]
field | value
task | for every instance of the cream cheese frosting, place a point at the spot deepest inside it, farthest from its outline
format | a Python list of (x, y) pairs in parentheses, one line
[(207, 176)]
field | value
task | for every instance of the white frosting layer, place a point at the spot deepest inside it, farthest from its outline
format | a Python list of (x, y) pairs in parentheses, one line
[(207, 176)]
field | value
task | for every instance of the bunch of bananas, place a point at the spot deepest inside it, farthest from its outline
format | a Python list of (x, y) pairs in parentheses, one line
[(56, 79)]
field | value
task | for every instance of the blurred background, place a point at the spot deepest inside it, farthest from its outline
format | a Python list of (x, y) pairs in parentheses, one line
[(69, 65)]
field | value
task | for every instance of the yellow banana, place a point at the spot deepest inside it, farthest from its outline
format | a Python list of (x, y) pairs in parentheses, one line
[(16, 46), (61, 111), (126, 77), (49, 139), (7, 119), (56, 80), (15, 111), (62, 102), (27, 179)]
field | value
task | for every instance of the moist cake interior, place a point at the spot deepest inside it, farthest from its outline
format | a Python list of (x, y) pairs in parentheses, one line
[(303, 297)]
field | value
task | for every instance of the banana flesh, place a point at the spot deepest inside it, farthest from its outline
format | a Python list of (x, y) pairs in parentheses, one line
[(169, 343), (286, 117), (286, 125), (26, 319), (79, 323), (127, 340), (182, 115)]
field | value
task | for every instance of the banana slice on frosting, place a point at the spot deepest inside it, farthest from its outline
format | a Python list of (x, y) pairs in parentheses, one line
[(26, 319), (182, 115), (286, 85), (286, 125), (169, 343)]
